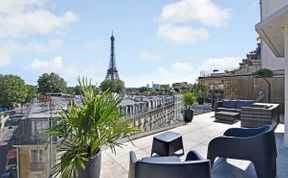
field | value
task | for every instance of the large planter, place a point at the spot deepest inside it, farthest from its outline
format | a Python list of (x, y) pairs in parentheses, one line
[(92, 169), (188, 115), (200, 100)]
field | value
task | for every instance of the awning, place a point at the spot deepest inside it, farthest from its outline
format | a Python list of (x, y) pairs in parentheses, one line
[(11, 154)]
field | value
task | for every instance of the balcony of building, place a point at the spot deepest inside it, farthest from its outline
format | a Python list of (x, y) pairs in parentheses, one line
[(196, 136), (37, 166)]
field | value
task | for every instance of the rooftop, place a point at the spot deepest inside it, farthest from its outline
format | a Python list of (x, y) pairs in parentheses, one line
[(196, 135)]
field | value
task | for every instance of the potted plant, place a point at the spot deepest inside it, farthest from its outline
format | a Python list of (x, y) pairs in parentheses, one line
[(189, 100), (201, 91), (84, 129)]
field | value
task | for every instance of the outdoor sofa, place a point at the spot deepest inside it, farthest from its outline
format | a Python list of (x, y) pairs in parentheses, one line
[(232, 105), (229, 110)]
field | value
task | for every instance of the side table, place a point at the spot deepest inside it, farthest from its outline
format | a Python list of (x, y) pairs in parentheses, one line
[(167, 144)]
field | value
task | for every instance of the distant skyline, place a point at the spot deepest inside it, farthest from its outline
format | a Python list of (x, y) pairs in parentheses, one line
[(162, 41)]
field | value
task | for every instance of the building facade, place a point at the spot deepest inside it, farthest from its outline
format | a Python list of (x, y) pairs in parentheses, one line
[(269, 60), (273, 29), (151, 112)]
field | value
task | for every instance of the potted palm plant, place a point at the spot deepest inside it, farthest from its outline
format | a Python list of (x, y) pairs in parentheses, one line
[(84, 129), (201, 91), (189, 100)]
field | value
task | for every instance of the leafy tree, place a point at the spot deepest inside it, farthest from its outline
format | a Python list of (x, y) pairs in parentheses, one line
[(145, 89), (132, 90), (200, 90), (70, 90), (264, 73), (13, 91), (182, 87), (165, 88), (178, 87), (31, 93), (51, 83), (75, 90), (116, 86)]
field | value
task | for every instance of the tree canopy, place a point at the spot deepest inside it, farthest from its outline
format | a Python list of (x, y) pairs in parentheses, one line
[(51, 83), (13, 91), (165, 88), (181, 87), (200, 89), (265, 73), (31, 93), (117, 86)]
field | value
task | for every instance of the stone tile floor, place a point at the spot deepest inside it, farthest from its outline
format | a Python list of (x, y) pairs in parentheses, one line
[(196, 136)]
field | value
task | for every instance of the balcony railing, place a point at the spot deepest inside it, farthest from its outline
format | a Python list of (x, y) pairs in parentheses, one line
[(37, 166)]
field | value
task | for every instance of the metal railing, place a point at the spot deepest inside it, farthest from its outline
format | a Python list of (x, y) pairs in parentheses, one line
[(37, 166)]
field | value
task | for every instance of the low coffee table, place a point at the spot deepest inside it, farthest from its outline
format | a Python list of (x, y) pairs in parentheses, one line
[(167, 144), (227, 116)]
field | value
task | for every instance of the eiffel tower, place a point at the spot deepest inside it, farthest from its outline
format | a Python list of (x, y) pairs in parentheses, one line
[(112, 72)]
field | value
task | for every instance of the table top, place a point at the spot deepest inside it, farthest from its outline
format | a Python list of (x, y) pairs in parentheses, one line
[(168, 136), (268, 106)]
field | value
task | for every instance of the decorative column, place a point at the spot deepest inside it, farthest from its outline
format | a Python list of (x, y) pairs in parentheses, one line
[(286, 86)]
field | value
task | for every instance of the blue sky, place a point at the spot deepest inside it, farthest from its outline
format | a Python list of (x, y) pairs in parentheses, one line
[(162, 41)]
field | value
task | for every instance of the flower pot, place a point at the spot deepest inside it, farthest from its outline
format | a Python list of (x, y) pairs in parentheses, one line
[(188, 115), (200, 100), (92, 169)]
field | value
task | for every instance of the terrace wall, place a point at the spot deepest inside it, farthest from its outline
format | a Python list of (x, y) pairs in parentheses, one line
[(247, 88)]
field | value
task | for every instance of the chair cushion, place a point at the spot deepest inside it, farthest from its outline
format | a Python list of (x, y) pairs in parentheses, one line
[(229, 109), (242, 103), (229, 103)]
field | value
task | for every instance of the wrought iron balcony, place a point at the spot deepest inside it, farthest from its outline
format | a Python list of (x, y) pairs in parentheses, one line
[(37, 166)]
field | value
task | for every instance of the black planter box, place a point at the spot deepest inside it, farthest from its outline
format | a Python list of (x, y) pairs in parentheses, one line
[(188, 115)]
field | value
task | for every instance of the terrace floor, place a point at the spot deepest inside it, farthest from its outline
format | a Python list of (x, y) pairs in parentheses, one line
[(196, 135)]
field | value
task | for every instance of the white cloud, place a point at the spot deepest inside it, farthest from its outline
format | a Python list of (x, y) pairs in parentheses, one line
[(18, 18), (181, 72), (94, 44), (53, 65), (7, 5), (96, 71), (11, 48), (203, 11), (221, 63), (177, 72), (176, 20), (151, 56), (52, 44), (184, 67), (181, 34)]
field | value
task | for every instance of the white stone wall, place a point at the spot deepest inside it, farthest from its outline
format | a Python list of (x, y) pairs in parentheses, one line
[(268, 58), (271, 6)]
